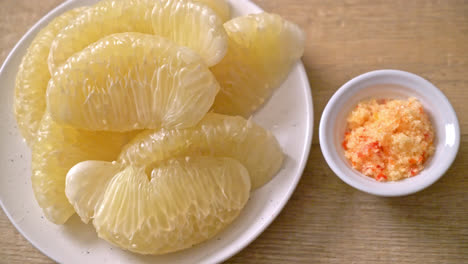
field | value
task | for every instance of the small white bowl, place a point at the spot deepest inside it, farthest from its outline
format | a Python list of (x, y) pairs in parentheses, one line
[(389, 84)]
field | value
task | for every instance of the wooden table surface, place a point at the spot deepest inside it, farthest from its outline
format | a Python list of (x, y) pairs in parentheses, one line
[(327, 221)]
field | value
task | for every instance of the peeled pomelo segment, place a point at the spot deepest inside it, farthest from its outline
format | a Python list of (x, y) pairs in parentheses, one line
[(57, 149), (86, 183), (33, 75), (102, 19), (180, 203), (221, 7), (262, 48), (131, 81), (116, 16), (215, 135), (192, 25)]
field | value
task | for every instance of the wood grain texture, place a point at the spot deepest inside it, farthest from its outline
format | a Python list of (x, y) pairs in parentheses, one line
[(327, 221)]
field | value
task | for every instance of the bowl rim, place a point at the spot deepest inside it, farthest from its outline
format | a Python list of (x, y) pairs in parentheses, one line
[(350, 87)]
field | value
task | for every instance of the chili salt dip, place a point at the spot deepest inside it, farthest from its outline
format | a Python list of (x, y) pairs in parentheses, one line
[(389, 140)]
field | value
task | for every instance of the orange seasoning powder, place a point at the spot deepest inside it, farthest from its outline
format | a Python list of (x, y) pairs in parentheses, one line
[(389, 140)]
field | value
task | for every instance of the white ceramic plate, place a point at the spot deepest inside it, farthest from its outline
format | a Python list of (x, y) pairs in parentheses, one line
[(288, 114)]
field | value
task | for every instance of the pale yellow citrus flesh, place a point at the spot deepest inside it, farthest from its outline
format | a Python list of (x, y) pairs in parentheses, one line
[(33, 75), (95, 77), (216, 135), (262, 48), (221, 7), (58, 148), (130, 81), (178, 204), (86, 183), (104, 18), (191, 25), (117, 16), (171, 189)]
